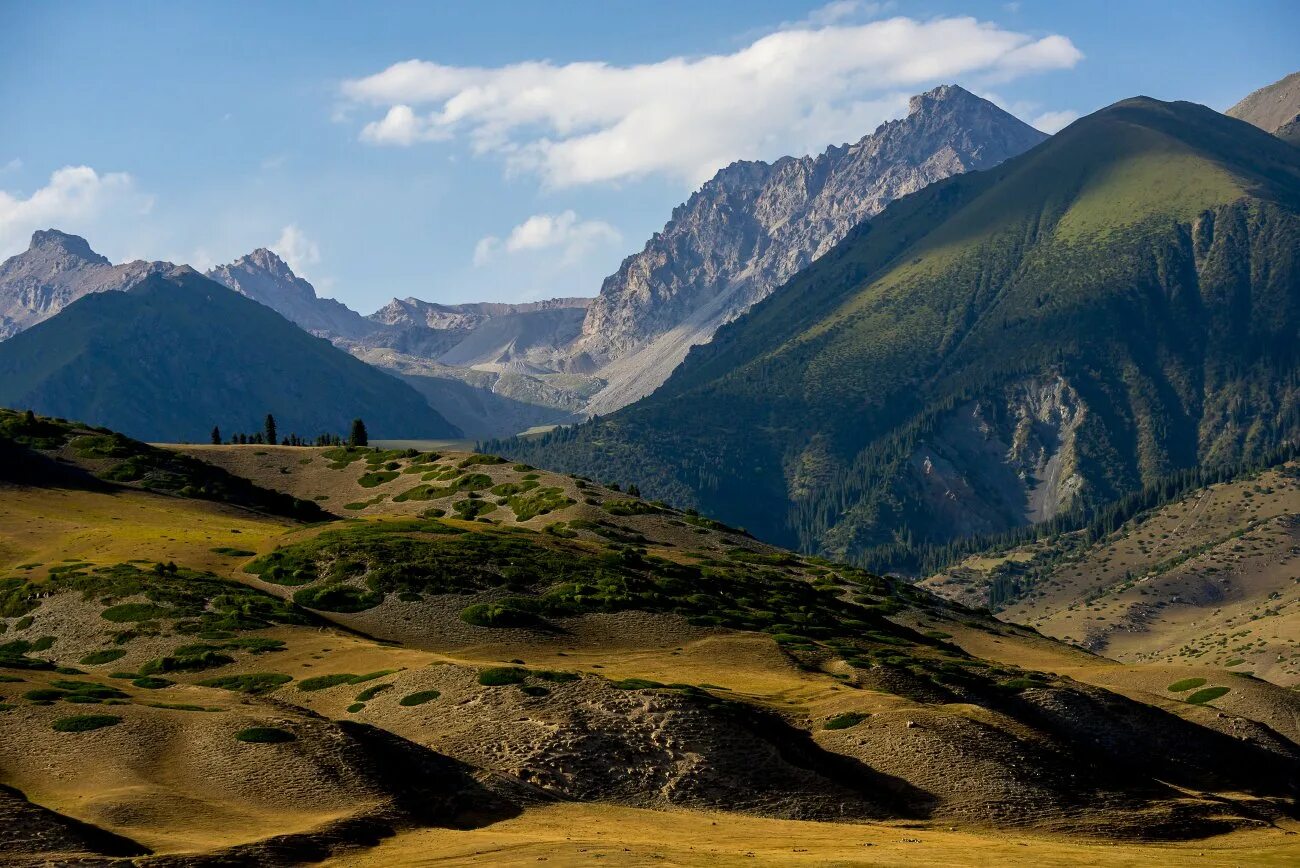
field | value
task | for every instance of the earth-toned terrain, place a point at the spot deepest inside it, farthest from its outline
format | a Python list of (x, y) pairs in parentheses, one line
[(270, 655)]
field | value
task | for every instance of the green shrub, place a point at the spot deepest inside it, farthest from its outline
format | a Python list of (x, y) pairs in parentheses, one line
[(98, 658), (1018, 684), (1235, 661), (503, 613), (538, 502), (371, 692), (337, 598), (233, 552), (1209, 694), (481, 459), (845, 720), (85, 722), (324, 682), (376, 477), (501, 675), (44, 694), (371, 676), (420, 697), (506, 489), (635, 684), (469, 509), (265, 735), (553, 676), (189, 659), (630, 507), (1185, 684), (150, 682), (355, 707), (255, 683)]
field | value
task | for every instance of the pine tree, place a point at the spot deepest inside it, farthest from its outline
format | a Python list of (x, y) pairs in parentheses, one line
[(216, 436), (358, 436), (270, 429)]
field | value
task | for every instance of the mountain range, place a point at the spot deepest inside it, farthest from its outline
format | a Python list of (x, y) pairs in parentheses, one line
[(496, 369), (756, 224), (1002, 348), (175, 354)]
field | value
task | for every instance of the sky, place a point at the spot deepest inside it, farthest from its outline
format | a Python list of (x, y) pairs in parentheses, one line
[(513, 151)]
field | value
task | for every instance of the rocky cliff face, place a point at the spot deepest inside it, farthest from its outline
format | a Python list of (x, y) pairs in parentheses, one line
[(54, 271), (534, 334), (755, 224), (267, 279)]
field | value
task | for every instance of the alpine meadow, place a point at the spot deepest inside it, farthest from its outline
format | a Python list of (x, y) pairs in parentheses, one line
[(782, 434)]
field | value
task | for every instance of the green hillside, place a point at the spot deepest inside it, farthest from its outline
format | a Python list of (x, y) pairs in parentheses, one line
[(1001, 348), (178, 353)]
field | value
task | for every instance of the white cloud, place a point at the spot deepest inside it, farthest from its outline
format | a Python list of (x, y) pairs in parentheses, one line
[(74, 200), (12, 166), (544, 231), (843, 10), (297, 250), (792, 91), (1051, 122)]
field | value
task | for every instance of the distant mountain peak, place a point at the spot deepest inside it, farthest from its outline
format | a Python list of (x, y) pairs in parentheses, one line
[(755, 224), (943, 94), (266, 278), (63, 242)]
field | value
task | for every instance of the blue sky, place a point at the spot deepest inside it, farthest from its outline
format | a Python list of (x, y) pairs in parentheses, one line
[(532, 145)]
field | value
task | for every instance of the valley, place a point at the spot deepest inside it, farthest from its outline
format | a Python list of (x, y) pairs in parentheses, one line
[(804, 433)]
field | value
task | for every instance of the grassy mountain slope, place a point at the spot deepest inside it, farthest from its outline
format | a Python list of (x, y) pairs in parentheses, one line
[(178, 353), (999, 348), (235, 687), (1209, 578)]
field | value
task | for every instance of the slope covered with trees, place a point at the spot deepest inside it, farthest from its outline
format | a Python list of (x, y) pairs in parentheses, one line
[(1002, 348)]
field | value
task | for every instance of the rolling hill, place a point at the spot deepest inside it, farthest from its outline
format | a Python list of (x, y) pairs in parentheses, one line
[(177, 353), (487, 647), (1004, 347), (1208, 577)]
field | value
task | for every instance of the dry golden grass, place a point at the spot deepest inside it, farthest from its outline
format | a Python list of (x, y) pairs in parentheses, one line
[(1210, 579), (568, 834), (53, 525)]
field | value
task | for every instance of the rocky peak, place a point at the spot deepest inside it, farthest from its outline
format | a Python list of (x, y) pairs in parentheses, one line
[(754, 224), (943, 95), (54, 242), (266, 278), (54, 271)]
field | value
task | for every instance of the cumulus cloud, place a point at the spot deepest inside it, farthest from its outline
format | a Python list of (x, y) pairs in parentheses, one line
[(298, 251), (74, 199), (545, 231), (791, 91), (1052, 122)]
